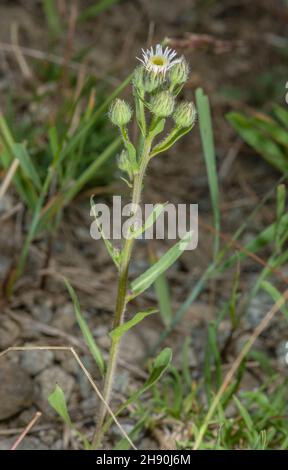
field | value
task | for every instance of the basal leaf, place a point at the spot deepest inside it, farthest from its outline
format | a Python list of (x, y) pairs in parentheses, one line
[(58, 402)]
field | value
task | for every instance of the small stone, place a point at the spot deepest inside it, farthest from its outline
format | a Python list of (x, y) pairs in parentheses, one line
[(282, 353), (64, 318), (28, 443), (67, 361), (9, 332), (16, 391), (26, 416), (35, 361), (42, 313)]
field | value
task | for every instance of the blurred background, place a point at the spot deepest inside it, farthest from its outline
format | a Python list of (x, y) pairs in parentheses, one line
[(61, 64)]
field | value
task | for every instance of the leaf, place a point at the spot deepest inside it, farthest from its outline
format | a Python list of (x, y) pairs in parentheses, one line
[(58, 402), (93, 348), (280, 211), (260, 241), (115, 255), (276, 296), (170, 140), (281, 114), (159, 366), (27, 165), (268, 148), (207, 140), (138, 317), (164, 300), (246, 417), (157, 210), (130, 149), (94, 10), (144, 281), (52, 17)]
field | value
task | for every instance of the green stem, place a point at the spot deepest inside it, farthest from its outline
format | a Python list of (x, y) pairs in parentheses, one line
[(121, 299)]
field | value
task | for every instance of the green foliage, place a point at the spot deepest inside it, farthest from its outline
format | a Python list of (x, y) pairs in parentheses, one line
[(267, 135), (137, 318), (207, 140), (93, 348), (145, 280)]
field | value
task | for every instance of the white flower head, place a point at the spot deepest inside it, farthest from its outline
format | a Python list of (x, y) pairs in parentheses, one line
[(160, 60)]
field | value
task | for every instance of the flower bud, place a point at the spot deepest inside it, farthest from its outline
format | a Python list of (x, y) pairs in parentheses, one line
[(152, 81), (162, 104), (124, 163), (179, 72), (120, 113), (185, 114)]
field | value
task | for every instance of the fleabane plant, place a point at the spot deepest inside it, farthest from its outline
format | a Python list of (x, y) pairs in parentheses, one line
[(157, 82)]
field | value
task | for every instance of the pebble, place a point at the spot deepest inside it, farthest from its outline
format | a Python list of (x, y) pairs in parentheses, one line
[(35, 361), (16, 391), (9, 332), (28, 443)]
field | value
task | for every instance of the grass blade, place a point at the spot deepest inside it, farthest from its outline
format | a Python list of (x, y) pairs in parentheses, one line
[(207, 140), (93, 348)]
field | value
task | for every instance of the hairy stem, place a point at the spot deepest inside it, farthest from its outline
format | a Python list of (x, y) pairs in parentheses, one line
[(121, 299)]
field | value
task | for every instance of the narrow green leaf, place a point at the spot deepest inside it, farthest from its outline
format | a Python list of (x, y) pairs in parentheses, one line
[(245, 415), (164, 299), (258, 139), (159, 366), (281, 114), (28, 167), (130, 149), (144, 281), (207, 140), (114, 254), (52, 17), (280, 211), (58, 402), (275, 294), (170, 140), (260, 241), (93, 348), (94, 10), (138, 317), (157, 211)]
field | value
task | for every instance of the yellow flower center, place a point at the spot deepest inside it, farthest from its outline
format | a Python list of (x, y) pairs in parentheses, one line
[(158, 60)]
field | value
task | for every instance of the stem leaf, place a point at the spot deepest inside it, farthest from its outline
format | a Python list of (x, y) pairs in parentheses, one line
[(120, 330), (151, 219), (170, 140), (145, 280), (115, 255)]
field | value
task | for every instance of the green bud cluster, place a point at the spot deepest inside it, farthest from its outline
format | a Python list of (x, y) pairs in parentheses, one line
[(185, 114), (162, 104), (120, 113)]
